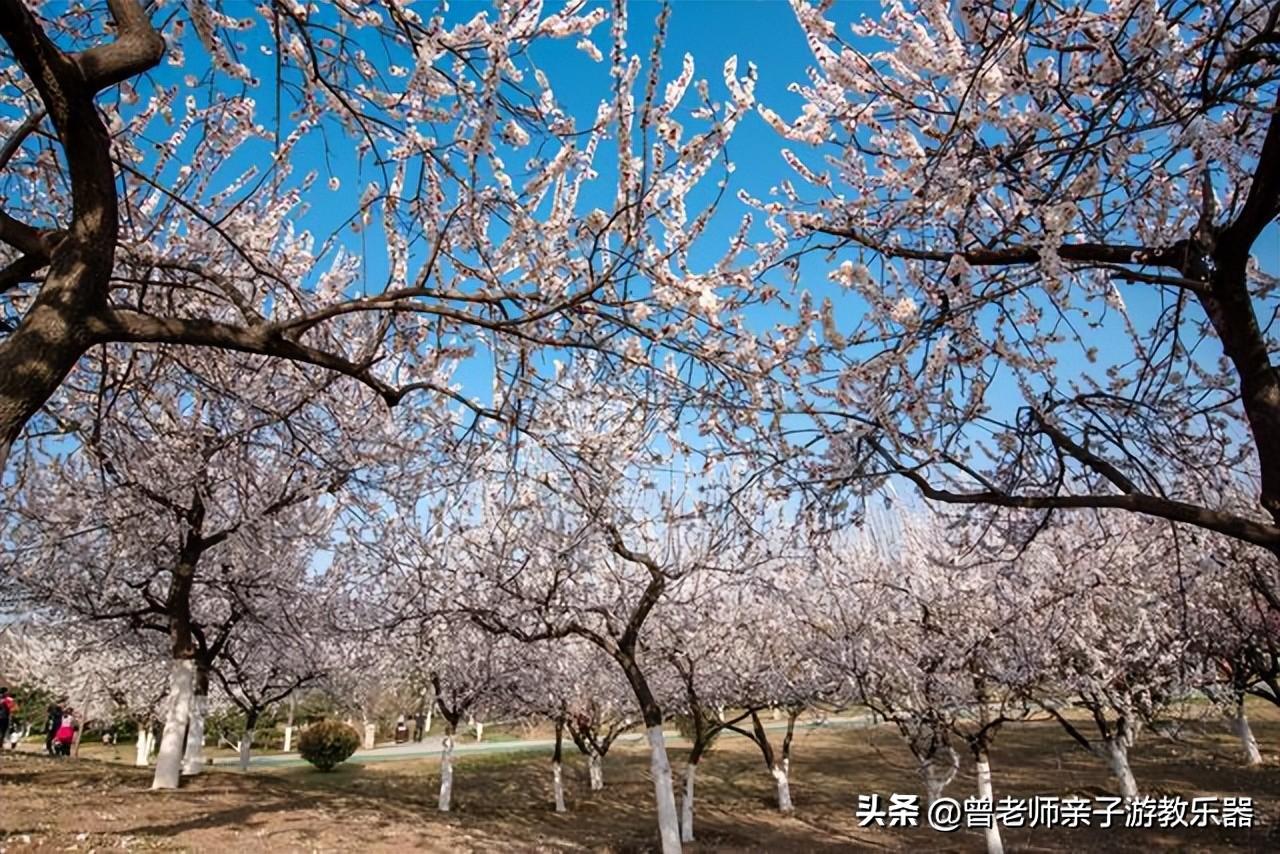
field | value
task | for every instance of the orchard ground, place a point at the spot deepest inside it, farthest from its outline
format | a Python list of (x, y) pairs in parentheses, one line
[(503, 798)]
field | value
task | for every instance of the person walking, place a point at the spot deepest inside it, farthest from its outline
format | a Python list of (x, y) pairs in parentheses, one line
[(51, 724), (8, 708), (65, 737)]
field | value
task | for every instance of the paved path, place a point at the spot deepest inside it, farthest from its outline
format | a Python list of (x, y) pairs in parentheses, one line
[(429, 748)]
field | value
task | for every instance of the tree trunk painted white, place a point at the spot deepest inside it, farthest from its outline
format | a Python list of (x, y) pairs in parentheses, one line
[(663, 791), (288, 724), (938, 771), (686, 806), (146, 743), (557, 780), (478, 726), (430, 713), (182, 677), (933, 788), (446, 771), (246, 745), (595, 768), (1244, 732), (784, 789), (370, 736), (995, 845), (1118, 758), (193, 753)]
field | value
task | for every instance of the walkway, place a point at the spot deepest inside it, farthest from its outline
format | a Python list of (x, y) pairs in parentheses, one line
[(429, 748)]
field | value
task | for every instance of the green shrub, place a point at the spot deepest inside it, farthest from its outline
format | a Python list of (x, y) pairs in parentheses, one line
[(327, 743)]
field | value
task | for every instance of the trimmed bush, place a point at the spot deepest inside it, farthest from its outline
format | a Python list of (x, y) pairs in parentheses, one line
[(328, 743)]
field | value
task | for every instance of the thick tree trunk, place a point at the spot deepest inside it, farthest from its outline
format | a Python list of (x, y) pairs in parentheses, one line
[(193, 753), (183, 672), (557, 769), (1230, 309), (995, 845), (686, 805), (34, 360), (246, 748), (288, 725), (792, 715), (784, 788), (776, 766), (1244, 732), (663, 791), (933, 788), (246, 739), (370, 740), (595, 770), (557, 782), (1117, 756), (651, 712), (446, 770), (937, 771), (142, 755), (55, 331), (182, 678)]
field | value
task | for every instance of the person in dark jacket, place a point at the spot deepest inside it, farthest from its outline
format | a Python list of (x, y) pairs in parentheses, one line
[(51, 725)]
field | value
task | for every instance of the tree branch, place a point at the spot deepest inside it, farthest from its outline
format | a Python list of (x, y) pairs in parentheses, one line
[(1258, 533), (134, 327), (19, 136), (1263, 202), (1103, 467), (137, 48), (1088, 253)]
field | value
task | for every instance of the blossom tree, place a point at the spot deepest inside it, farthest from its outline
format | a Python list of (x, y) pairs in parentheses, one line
[(574, 685), (596, 709), (702, 637), (1047, 222), (170, 501), (104, 672), (1113, 634), (739, 645), (1235, 627), (470, 672), (152, 196), (584, 531), (943, 654), (597, 704), (269, 662), (363, 673)]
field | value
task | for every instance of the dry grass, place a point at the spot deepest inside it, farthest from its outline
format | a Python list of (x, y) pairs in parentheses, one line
[(503, 801)]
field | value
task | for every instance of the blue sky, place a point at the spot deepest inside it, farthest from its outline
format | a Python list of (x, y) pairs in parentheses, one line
[(764, 33)]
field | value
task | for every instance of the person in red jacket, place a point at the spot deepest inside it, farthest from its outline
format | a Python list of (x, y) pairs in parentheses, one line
[(64, 739), (8, 707)]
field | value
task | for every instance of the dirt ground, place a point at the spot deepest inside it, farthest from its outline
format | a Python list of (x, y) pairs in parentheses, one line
[(502, 802)]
